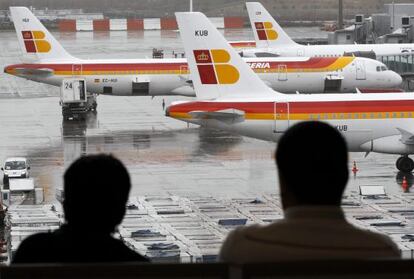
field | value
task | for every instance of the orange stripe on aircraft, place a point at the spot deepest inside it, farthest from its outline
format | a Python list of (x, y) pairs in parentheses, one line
[(302, 107), (314, 64), (243, 44)]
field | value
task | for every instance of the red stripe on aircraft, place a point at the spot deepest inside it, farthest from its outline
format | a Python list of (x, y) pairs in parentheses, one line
[(302, 107), (243, 44), (262, 35), (207, 74), (30, 46), (313, 63)]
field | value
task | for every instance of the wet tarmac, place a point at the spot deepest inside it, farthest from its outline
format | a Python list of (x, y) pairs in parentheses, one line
[(163, 155), (190, 185)]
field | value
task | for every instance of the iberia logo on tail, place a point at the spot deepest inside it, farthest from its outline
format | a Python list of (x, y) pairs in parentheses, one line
[(214, 68), (265, 31), (34, 42)]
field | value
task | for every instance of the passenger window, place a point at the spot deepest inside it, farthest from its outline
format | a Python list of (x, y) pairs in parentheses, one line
[(387, 115), (410, 114), (394, 115), (372, 115)]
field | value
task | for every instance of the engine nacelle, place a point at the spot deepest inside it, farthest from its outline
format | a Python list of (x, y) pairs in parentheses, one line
[(390, 145)]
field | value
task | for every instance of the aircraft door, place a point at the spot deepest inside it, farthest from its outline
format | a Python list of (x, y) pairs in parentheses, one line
[(183, 70), (282, 73), (360, 70), (76, 69), (281, 117)]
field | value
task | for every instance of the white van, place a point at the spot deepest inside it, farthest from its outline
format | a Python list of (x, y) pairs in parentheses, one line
[(16, 167)]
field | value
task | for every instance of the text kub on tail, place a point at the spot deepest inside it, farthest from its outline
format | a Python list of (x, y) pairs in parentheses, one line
[(217, 69)]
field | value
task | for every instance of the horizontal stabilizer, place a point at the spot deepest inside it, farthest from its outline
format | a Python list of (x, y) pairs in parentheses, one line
[(35, 72), (406, 137), (186, 90), (227, 115)]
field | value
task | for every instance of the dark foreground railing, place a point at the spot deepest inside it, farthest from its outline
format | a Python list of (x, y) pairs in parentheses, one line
[(310, 269)]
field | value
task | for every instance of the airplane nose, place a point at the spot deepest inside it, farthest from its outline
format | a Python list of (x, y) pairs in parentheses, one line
[(397, 79)]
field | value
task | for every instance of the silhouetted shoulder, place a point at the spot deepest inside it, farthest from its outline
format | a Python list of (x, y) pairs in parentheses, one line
[(61, 247), (34, 248)]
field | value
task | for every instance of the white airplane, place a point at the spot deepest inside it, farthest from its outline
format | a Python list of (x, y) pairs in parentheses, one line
[(152, 77), (272, 40), (369, 122)]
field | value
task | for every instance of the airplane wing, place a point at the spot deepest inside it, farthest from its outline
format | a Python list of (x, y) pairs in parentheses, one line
[(34, 72), (227, 115), (406, 137)]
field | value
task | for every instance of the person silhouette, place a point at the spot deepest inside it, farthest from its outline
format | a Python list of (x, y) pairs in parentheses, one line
[(96, 189), (312, 163)]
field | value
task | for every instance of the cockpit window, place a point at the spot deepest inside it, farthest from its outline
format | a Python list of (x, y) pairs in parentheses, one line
[(15, 165), (378, 68), (383, 68)]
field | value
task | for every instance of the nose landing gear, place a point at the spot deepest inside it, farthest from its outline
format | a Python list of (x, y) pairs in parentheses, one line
[(405, 164)]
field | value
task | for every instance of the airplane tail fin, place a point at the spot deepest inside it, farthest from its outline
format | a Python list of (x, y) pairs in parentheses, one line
[(267, 32), (34, 38), (217, 70)]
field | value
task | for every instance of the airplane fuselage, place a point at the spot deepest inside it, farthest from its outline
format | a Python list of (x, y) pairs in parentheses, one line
[(334, 50), (368, 122), (152, 77)]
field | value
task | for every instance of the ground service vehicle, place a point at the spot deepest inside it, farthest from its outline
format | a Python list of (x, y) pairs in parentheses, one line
[(15, 167)]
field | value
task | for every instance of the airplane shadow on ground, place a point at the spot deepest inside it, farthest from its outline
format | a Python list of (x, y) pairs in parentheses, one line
[(215, 142)]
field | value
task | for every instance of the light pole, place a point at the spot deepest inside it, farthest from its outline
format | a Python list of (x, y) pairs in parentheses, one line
[(191, 5), (340, 15), (393, 16)]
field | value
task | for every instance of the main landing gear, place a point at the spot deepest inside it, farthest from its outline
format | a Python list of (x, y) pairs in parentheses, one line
[(405, 164)]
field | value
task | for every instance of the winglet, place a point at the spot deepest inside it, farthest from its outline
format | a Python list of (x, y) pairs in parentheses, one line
[(34, 38), (267, 32), (217, 70)]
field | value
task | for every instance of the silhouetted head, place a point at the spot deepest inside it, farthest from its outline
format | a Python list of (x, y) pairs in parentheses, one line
[(312, 160), (96, 189)]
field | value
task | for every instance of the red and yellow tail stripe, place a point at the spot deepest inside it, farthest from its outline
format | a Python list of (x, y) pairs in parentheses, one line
[(214, 68), (35, 42), (265, 31)]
